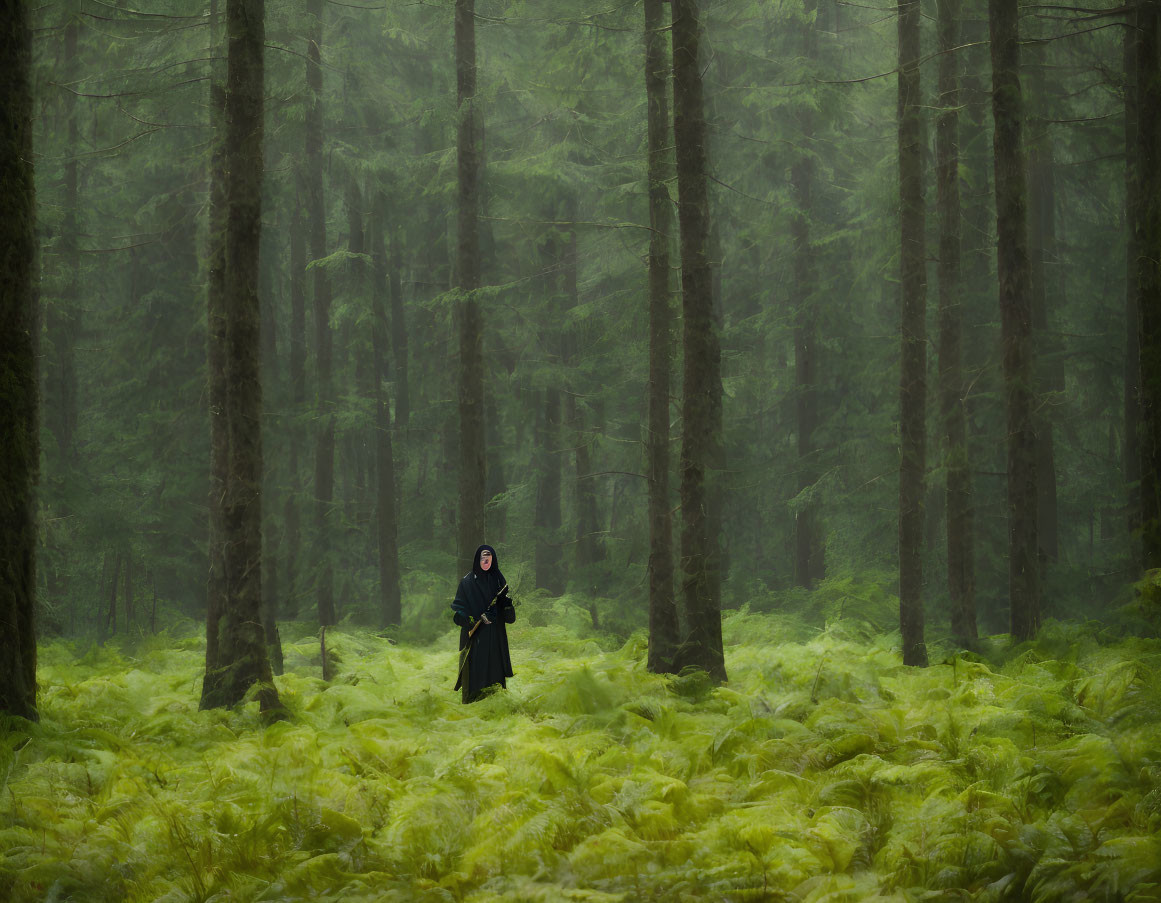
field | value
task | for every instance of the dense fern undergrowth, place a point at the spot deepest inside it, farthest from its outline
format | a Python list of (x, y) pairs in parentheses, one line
[(824, 770)]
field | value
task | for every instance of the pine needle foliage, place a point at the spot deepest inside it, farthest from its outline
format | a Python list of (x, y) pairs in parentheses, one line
[(824, 770)]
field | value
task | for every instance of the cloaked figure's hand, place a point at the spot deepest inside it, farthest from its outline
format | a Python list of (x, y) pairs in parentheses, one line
[(484, 618)]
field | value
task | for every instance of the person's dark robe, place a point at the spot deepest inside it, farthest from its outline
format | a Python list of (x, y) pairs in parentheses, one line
[(488, 660)]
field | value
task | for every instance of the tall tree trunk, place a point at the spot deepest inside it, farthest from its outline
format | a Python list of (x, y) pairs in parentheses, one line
[(387, 529), (324, 468), (1044, 271), (663, 627), (1132, 379), (1015, 318), (297, 406), (701, 447), (806, 530), (216, 361), (19, 451), (1148, 243), (241, 643), (472, 441), (960, 567), (913, 333)]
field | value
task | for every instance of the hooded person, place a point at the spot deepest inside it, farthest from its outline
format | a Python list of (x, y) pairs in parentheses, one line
[(482, 602)]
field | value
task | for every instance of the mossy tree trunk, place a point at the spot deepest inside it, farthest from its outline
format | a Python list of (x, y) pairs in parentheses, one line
[(1015, 317), (663, 627), (242, 652), (469, 141), (19, 451), (958, 486), (913, 334), (701, 446)]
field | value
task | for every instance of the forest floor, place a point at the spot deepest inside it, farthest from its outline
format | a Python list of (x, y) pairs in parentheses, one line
[(824, 770)]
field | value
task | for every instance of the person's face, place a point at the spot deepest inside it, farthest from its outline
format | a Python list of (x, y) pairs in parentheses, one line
[(485, 560)]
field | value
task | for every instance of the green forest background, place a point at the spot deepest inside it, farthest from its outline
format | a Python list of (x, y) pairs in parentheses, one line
[(1011, 768)]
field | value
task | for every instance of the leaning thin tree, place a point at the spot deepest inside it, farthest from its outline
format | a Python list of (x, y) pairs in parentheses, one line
[(236, 631), (19, 450)]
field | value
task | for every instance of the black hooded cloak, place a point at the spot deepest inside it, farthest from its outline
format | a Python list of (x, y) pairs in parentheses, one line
[(488, 661)]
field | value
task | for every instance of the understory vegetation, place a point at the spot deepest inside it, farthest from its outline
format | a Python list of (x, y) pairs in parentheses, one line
[(824, 770)]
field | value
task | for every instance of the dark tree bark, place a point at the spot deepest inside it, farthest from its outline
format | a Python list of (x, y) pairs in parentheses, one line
[(701, 447), (387, 529), (216, 362), (1015, 317), (913, 333), (1046, 284), (469, 141), (807, 551), (242, 652), (19, 451), (1132, 409), (960, 567), (663, 627), (324, 468), (1148, 246), (297, 406)]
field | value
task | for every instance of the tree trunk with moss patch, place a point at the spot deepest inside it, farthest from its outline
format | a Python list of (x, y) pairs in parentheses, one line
[(242, 654)]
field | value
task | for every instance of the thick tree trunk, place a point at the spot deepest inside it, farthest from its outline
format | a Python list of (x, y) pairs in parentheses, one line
[(216, 363), (960, 567), (472, 441), (1132, 378), (241, 643), (1015, 318), (387, 530), (701, 447), (913, 333), (1148, 243), (19, 451), (806, 529), (293, 515), (324, 467), (663, 627)]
